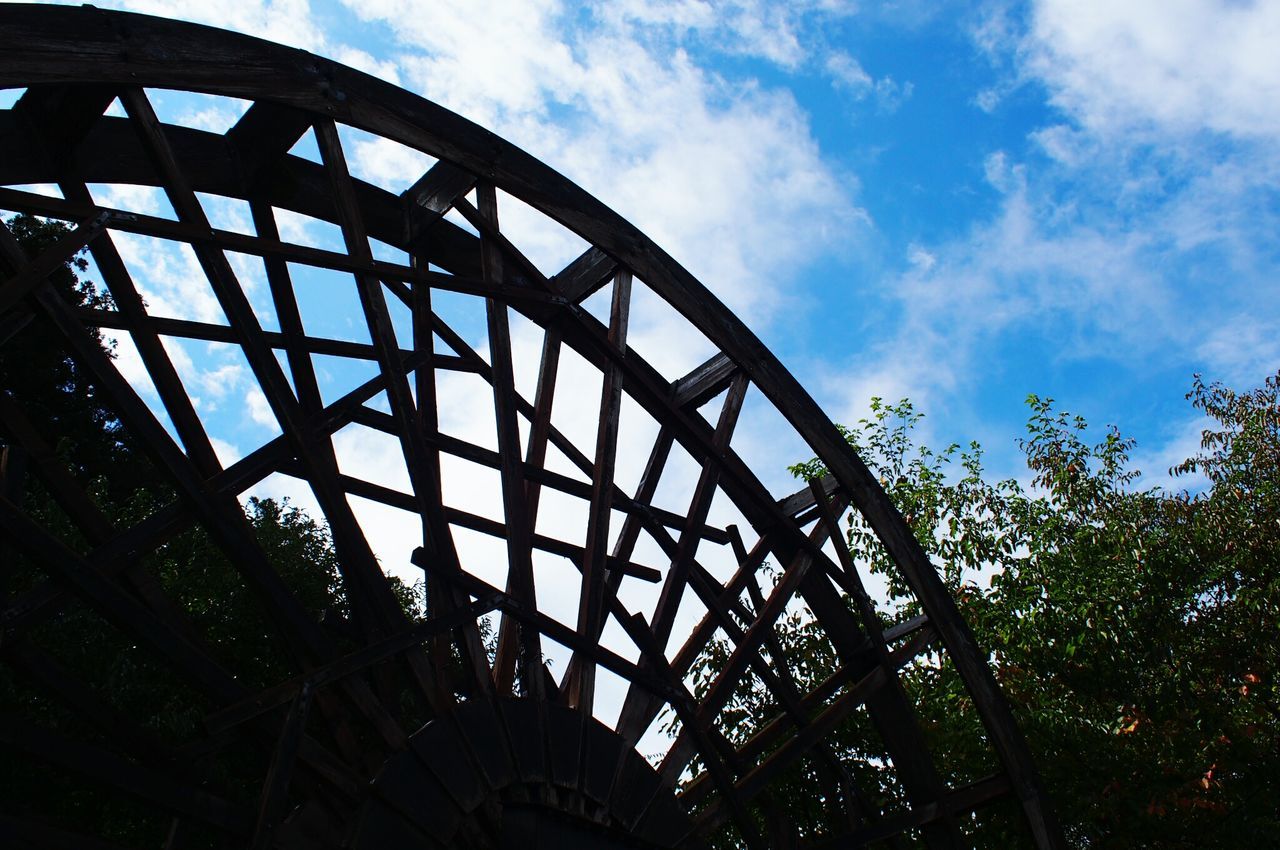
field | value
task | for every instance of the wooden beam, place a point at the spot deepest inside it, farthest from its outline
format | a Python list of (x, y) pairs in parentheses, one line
[(704, 383), (493, 528), (589, 272), (275, 789), (63, 115), (540, 423), (517, 647), (263, 134), (382, 333), (600, 505), (430, 197)]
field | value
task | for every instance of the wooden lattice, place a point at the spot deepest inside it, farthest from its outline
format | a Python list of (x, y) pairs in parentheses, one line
[(511, 750)]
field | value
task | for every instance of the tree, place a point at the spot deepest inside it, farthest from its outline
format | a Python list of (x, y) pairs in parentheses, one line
[(1133, 630), (40, 382)]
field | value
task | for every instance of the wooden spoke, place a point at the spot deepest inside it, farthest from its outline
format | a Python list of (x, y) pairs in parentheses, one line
[(591, 600), (512, 639), (540, 426)]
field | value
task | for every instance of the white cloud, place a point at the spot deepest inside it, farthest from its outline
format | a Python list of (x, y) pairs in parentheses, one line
[(1181, 441), (384, 69), (385, 163), (717, 173), (920, 259), (1164, 65), (284, 21), (227, 453), (848, 75), (781, 33), (259, 409), (1244, 351)]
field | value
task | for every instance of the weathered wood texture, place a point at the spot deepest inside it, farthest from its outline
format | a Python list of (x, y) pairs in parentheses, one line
[(509, 736)]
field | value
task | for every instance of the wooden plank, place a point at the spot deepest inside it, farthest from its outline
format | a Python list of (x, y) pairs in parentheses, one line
[(641, 510), (704, 382), (635, 707), (370, 598), (722, 684), (442, 598), (527, 410), (600, 504), (132, 222), (800, 502), (560, 633), (699, 505), (150, 532), (522, 268), (430, 197), (382, 334), (540, 424), (889, 707), (298, 347), (493, 528), (516, 646), (222, 516), (775, 675), (590, 271), (89, 106), (264, 133), (280, 773), (63, 115), (629, 535), (698, 727), (188, 329), (685, 744), (812, 734), (164, 376)]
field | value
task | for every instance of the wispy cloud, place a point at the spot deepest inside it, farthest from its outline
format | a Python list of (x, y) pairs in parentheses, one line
[(1181, 66), (715, 170), (1134, 227)]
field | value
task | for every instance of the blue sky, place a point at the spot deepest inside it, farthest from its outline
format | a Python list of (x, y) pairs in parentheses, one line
[(961, 203)]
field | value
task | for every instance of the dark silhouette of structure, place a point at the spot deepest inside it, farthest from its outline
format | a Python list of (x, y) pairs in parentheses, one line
[(510, 754)]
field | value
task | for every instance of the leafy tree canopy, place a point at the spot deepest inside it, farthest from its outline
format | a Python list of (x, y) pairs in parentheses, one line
[(1134, 630), (206, 596)]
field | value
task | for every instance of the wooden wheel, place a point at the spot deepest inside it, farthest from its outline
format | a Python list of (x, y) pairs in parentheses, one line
[(605, 591)]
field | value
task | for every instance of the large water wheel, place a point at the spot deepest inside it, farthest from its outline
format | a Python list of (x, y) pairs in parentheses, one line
[(389, 729)]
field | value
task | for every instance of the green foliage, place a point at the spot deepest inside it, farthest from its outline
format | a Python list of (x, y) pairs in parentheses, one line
[(1133, 630), (209, 600)]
